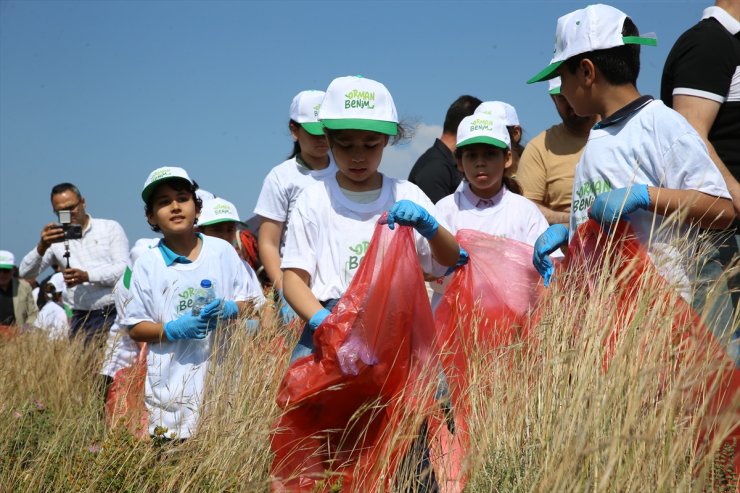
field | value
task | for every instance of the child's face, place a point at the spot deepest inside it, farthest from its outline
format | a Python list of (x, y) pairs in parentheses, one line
[(173, 210), (313, 147), (574, 88), (226, 231), (358, 154), (484, 167)]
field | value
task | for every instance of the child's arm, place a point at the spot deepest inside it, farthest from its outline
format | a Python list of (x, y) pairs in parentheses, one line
[(270, 232), (186, 327), (707, 211), (299, 294), (444, 247), (147, 332)]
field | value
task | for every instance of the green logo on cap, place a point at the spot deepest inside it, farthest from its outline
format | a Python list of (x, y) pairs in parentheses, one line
[(162, 173), (481, 124), (359, 99), (222, 209), (316, 110)]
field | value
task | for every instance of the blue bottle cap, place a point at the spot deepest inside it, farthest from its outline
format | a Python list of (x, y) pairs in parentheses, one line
[(205, 283)]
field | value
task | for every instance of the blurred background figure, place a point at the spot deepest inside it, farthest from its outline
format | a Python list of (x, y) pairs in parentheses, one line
[(17, 306), (52, 317)]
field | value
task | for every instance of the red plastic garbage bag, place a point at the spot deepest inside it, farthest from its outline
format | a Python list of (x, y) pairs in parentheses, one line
[(695, 350), (486, 307), (124, 404), (355, 430)]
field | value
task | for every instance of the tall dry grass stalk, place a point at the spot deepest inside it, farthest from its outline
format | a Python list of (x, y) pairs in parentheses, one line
[(544, 417)]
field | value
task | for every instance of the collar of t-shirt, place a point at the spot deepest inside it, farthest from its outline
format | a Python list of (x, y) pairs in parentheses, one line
[(479, 202), (625, 112), (365, 197), (171, 257), (723, 17)]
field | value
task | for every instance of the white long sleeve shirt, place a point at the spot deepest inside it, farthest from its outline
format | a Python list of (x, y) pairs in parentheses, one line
[(102, 252)]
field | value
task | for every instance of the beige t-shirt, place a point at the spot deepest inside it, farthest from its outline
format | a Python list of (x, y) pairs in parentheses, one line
[(548, 165)]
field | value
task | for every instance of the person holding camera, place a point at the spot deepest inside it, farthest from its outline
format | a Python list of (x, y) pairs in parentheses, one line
[(93, 254)]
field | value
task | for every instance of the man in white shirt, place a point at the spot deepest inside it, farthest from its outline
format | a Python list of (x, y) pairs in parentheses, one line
[(93, 254)]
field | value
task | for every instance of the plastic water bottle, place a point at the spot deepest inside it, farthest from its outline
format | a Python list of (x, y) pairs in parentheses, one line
[(203, 296)]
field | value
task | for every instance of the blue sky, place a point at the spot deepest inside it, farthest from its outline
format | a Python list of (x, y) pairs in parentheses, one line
[(99, 93)]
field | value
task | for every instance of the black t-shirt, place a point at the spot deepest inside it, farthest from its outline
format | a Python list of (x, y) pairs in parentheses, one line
[(706, 58), (7, 312), (435, 172)]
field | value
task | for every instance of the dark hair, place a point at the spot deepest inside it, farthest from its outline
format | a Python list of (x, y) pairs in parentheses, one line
[(405, 132), (296, 146), (179, 185), (65, 187), (462, 107), (509, 181), (516, 146), (619, 65)]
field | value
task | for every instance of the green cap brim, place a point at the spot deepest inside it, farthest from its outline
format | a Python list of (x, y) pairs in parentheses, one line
[(314, 128), (549, 72), (7, 266), (225, 220), (555, 91), (147, 192), (380, 126), (640, 40), (482, 139)]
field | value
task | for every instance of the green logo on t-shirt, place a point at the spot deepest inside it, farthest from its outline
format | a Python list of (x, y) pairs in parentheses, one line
[(359, 99), (186, 300), (358, 253), (586, 194)]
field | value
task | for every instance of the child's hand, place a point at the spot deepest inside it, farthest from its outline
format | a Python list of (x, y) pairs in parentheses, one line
[(220, 309), (318, 318), (553, 238), (609, 206), (186, 327), (462, 260), (352, 351), (407, 213)]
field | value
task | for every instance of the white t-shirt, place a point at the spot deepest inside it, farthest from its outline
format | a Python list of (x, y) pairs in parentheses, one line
[(176, 370), (254, 288), (330, 233), (282, 186), (53, 320), (120, 351), (655, 146)]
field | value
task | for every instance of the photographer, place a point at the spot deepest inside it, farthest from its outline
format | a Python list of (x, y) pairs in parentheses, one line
[(93, 254)]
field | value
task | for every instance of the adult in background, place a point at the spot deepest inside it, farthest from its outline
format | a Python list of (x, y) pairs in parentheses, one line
[(701, 80), (17, 306), (435, 172), (548, 164), (95, 262)]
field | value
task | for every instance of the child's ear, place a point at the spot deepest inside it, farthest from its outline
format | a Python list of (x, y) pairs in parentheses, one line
[(508, 159), (293, 131), (458, 162), (588, 71), (387, 139)]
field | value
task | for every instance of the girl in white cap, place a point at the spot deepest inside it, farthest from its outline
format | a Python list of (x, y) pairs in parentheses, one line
[(499, 110), (333, 220), (309, 162), (488, 200), (52, 317)]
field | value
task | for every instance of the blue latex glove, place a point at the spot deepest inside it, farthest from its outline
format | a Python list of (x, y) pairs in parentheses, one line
[(220, 309), (407, 213), (287, 314), (318, 318), (608, 206), (462, 260), (553, 238), (186, 327)]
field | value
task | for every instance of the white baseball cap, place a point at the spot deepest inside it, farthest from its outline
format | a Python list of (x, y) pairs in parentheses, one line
[(597, 27), (141, 246), (498, 110), (204, 194), (218, 211), (483, 129), (7, 260), (305, 110), (162, 174), (357, 103), (553, 86), (57, 280)]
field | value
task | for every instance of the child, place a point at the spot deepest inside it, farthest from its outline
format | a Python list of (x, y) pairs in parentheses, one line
[(52, 317), (219, 219), (310, 162), (333, 220), (643, 159), (498, 110), (164, 282), (487, 200)]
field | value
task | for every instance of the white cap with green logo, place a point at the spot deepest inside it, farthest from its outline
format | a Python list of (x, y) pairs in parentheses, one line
[(305, 110), (356, 103), (483, 129), (7, 260), (218, 211), (498, 110), (162, 174), (597, 27)]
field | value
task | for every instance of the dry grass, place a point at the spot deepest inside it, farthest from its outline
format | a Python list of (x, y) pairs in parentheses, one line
[(548, 418)]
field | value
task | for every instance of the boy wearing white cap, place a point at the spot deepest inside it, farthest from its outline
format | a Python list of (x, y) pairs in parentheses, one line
[(310, 161), (17, 305), (164, 282), (52, 317), (333, 220), (643, 159)]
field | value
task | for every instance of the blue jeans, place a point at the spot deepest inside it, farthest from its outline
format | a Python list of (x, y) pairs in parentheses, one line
[(305, 343)]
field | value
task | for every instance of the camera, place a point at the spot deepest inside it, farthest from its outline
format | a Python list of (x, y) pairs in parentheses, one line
[(71, 231)]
